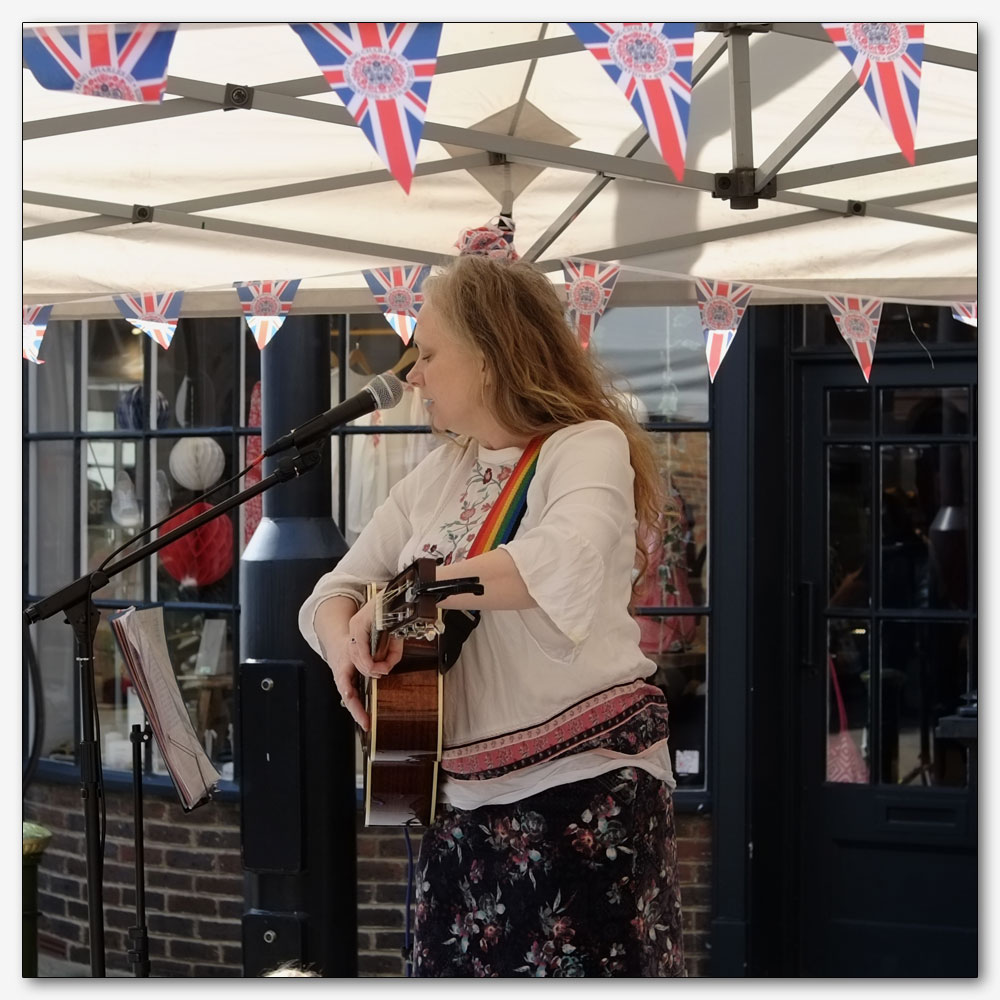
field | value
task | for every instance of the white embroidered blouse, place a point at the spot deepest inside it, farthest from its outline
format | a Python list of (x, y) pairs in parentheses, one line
[(575, 552)]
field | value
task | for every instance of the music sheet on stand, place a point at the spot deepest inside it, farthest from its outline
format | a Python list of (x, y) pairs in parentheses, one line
[(143, 643)]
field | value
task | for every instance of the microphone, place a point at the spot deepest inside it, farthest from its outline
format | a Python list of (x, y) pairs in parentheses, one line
[(382, 393)]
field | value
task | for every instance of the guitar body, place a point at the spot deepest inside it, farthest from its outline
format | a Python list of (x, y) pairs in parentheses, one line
[(403, 745)]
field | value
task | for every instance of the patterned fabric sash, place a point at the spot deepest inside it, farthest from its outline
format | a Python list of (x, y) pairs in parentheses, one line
[(499, 527), (628, 719), (506, 514)]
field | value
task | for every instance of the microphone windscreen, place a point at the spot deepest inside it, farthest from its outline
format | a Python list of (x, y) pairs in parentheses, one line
[(387, 390)]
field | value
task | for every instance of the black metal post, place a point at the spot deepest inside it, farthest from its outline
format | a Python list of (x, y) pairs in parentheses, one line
[(138, 937), (296, 746), (83, 619)]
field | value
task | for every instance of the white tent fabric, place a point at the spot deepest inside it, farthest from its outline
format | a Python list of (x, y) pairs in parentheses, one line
[(292, 189)]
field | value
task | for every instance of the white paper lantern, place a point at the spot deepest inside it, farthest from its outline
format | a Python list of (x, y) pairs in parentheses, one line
[(197, 462)]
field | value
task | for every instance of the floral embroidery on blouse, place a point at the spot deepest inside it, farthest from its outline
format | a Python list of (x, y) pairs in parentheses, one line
[(480, 493)]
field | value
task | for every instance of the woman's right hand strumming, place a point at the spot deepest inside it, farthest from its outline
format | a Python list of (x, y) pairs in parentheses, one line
[(344, 633)]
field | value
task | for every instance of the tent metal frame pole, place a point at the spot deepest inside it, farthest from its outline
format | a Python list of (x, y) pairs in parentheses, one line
[(299, 87), (740, 104), (112, 214), (279, 191), (684, 240), (932, 194), (89, 224), (876, 164), (806, 129), (628, 149), (877, 210)]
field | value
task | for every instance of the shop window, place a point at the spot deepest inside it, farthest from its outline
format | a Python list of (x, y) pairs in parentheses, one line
[(109, 454)]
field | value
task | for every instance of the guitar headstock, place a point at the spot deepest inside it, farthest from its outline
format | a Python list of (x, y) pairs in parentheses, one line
[(404, 608)]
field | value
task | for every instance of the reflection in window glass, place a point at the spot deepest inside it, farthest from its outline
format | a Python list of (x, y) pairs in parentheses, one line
[(114, 398), (656, 354), (50, 542), (114, 480), (195, 377), (677, 574), (848, 411), (924, 411), (54, 650), (925, 541), (51, 386), (373, 462), (677, 643), (378, 461), (848, 738), (925, 671), (201, 651), (849, 525)]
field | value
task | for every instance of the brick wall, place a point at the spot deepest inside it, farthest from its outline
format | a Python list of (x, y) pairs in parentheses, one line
[(194, 882), (194, 886)]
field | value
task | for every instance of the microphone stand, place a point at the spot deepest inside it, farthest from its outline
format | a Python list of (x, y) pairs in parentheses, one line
[(76, 600)]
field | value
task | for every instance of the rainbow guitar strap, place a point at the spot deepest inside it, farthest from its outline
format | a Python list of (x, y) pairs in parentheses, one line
[(500, 525)]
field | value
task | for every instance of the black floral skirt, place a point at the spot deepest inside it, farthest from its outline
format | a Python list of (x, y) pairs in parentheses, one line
[(578, 880)]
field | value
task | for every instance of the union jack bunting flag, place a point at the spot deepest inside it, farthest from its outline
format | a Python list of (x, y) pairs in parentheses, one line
[(398, 291), (650, 62), (154, 313), (589, 284), (265, 306), (382, 72), (857, 320), (966, 312), (887, 57), (125, 61), (34, 319), (721, 305)]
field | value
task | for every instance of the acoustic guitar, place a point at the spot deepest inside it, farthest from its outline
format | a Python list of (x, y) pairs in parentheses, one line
[(402, 747)]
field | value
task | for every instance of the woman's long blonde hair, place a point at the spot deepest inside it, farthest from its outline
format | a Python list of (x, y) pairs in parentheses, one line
[(538, 377)]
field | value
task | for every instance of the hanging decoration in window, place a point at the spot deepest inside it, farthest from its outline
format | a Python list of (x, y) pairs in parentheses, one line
[(203, 556), (398, 290), (857, 320), (650, 62), (887, 57), (589, 284), (127, 62), (34, 319), (153, 313), (382, 72), (197, 462), (966, 312), (721, 305), (265, 306)]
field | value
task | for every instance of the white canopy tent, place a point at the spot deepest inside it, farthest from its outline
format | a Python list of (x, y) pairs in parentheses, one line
[(519, 113)]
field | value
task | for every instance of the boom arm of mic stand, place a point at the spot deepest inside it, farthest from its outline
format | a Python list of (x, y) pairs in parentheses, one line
[(80, 590)]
